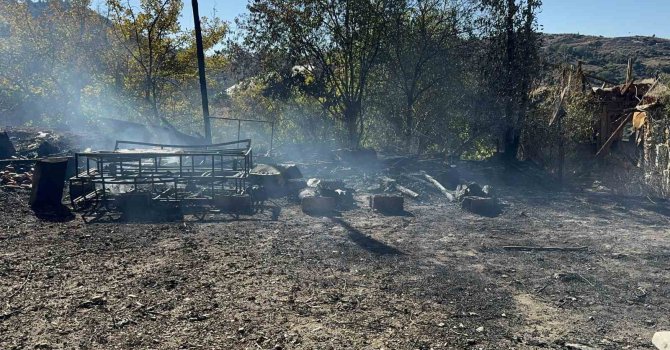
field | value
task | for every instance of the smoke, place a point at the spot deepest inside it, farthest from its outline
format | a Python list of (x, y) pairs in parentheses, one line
[(62, 68)]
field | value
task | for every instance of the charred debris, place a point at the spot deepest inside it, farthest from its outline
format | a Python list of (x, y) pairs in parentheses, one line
[(166, 182)]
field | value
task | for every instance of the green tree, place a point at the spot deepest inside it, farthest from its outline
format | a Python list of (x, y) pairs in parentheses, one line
[(150, 37), (50, 55), (159, 70), (338, 41), (511, 62), (421, 41)]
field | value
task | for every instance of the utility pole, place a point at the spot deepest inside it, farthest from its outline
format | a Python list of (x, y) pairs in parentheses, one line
[(201, 71)]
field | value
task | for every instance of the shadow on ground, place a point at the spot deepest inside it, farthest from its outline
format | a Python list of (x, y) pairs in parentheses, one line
[(368, 243)]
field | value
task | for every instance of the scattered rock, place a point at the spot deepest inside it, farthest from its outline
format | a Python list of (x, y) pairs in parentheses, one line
[(267, 176), (289, 171), (330, 185), (307, 192), (93, 302), (345, 198), (294, 187), (481, 205), (488, 190), (45, 148), (579, 346), (470, 190), (124, 322), (198, 317), (661, 340)]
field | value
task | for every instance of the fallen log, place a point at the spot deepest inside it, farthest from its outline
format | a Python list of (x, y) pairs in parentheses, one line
[(544, 249), (417, 178), (439, 186), (388, 183), (406, 191)]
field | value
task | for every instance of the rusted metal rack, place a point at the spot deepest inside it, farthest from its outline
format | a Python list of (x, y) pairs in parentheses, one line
[(137, 174)]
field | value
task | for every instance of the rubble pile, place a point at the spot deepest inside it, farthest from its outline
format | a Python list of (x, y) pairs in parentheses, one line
[(16, 177), (30, 144), (19, 149)]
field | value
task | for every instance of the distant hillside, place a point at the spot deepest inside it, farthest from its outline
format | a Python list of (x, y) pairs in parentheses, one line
[(608, 57)]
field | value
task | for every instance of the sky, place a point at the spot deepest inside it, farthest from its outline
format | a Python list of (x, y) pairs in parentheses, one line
[(594, 17)]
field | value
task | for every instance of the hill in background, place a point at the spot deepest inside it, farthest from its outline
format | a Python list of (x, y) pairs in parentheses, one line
[(608, 57)]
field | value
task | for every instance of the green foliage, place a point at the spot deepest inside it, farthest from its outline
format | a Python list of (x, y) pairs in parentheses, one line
[(573, 126), (511, 63), (64, 64), (157, 67), (581, 112), (449, 76), (50, 52), (337, 41)]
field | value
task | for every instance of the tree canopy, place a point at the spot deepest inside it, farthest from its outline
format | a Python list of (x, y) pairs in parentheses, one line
[(450, 76)]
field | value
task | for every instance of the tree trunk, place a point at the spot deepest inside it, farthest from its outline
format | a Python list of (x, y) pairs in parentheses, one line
[(48, 182), (351, 116), (409, 124), (511, 143)]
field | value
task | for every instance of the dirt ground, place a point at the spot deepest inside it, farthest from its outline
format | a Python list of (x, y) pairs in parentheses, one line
[(436, 278)]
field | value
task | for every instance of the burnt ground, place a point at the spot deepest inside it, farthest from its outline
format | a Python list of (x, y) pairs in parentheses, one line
[(436, 278)]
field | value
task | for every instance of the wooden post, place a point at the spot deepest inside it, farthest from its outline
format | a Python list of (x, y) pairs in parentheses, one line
[(201, 71), (561, 151), (48, 183)]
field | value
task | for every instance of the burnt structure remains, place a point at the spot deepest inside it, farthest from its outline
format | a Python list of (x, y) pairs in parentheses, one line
[(139, 179)]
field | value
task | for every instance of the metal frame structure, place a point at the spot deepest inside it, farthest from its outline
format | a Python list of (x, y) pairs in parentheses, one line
[(189, 175), (239, 126)]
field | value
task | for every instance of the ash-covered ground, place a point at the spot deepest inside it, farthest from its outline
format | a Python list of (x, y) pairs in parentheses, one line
[(436, 277)]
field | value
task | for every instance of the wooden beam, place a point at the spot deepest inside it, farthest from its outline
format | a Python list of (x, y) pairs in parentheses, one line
[(613, 135)]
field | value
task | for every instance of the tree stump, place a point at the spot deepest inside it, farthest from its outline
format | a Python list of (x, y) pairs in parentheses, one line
[(48, 182), (387, 204), (481, 205)]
